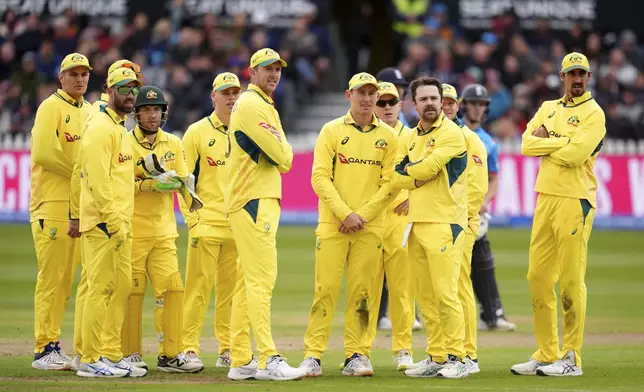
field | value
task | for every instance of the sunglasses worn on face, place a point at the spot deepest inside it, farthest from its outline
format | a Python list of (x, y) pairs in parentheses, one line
[(126, 90), (391, 102)]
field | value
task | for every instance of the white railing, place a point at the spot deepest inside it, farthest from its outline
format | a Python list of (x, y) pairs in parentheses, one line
[(611, 146)]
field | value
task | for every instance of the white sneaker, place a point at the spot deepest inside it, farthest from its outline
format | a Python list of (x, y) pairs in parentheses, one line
[(472, 365), (136, 360), (245, 372), (358, 366), (384, 324), (527, 368), (417, 326), (64, 357), (194, 357), (178, 364), (224, 360), (100, 370), (502, 325), (404, 360), (76, 363), (425, 368), (312, 367), (566, 366), (49, 360), (278, 370), (453, 369), (126, 366)]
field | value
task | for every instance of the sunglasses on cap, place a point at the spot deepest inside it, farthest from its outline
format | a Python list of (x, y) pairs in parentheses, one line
[(126, 90), (133, 66), (391, 102)]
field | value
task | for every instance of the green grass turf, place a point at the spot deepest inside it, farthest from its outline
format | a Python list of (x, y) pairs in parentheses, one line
[(614, 326)]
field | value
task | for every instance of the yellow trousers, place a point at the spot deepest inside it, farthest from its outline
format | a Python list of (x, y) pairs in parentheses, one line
[(361, 253), (436, 251), (57, 255), (109, 274), (212, 259), (79, 305), (395, 265), (558, 253), (254, 227)]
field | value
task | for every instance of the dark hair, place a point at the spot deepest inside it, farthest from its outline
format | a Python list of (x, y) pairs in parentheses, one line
[(425, 81)]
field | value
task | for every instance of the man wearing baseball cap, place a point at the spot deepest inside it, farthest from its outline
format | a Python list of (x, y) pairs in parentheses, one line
[(212, 254), (258, 154), (395, 77), (123, 63), (352, 164), (55, 139), (567, 134), (106, 208)]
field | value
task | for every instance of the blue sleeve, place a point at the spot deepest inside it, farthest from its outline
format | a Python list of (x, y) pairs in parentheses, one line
[(493, 157)]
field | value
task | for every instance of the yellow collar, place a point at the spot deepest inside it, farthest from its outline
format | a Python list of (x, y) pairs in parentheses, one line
[(67, 98), (437, 123), (104, 97), (141, 138), (577, 100), (217, 124), (348, 119), (261, 92), (113, 115)]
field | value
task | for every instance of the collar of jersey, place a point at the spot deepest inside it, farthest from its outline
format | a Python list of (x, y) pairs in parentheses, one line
[(217, 124), (113, 115), (140, 137), (437, 123), (265, 97), (576, 101), (104, 97), (67, 98), (399, 127), (348, 119)]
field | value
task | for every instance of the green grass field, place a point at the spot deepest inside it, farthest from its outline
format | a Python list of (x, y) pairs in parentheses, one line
[(614, 339)]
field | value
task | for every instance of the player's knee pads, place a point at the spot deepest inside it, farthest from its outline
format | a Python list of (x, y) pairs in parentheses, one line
[(482, 257), (132, 334), (172, 314)]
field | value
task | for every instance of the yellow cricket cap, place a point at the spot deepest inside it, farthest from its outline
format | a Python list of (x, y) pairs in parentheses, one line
[(225, 80), (124, 63), (385, 88), (74, 60), (449, 92), (121, 77), (361, 79), (266, 57), (574, 60)]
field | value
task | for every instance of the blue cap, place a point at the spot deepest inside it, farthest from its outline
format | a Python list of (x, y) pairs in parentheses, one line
[(489, 38)]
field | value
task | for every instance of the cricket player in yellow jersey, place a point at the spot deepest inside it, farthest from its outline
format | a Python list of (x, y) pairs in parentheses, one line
[(477, 183), (432, 165), (154, 253), (258, 155), (106, 207), (395, 264), (568, 134), (212, 254), (74, 214), (352, 165), (55, 143)]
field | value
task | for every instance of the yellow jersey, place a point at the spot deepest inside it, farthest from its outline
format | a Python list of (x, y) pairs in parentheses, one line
[(437, 154), (107, 173), (576, 131), (477, 176), (205, 144), (101, 101), (55, 142), (256, 157), (154, 211), (403, 133), (352, 169)]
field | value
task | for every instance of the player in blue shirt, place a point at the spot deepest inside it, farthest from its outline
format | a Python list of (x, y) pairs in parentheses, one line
[(475, 103)]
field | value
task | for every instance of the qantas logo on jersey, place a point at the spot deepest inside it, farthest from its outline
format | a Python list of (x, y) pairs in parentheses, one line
[(477, 160), (359, 161), (215, 162), (71, 138), (124, 158)]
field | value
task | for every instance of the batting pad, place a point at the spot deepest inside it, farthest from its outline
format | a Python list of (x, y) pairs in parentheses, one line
[(132, 334), (173, 315)]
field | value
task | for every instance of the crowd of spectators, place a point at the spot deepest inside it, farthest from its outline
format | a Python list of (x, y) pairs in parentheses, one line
[(178, 53), (520, 68)]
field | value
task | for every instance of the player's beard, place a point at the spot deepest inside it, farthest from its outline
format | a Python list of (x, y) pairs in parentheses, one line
[(577, 90), (428, 116), (125, 103)]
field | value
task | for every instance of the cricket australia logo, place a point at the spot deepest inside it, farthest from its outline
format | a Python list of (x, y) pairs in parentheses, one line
[(430, 142), (78, 57), (267, 227), (194, 242), (318, 243), (574, 121), (169, 156), (381, 144), (575, 58), (52, 233), (229, 78), (151, 94)]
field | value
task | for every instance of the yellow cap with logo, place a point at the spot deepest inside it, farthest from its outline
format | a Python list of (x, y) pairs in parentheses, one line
[(266, 57), (449, 92), (121, 77), (74, 60), (575, 60), (362, 79), (385, 88), (225, 80)]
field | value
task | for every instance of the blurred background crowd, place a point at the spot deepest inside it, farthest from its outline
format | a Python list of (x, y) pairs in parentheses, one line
[(181, 50)]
